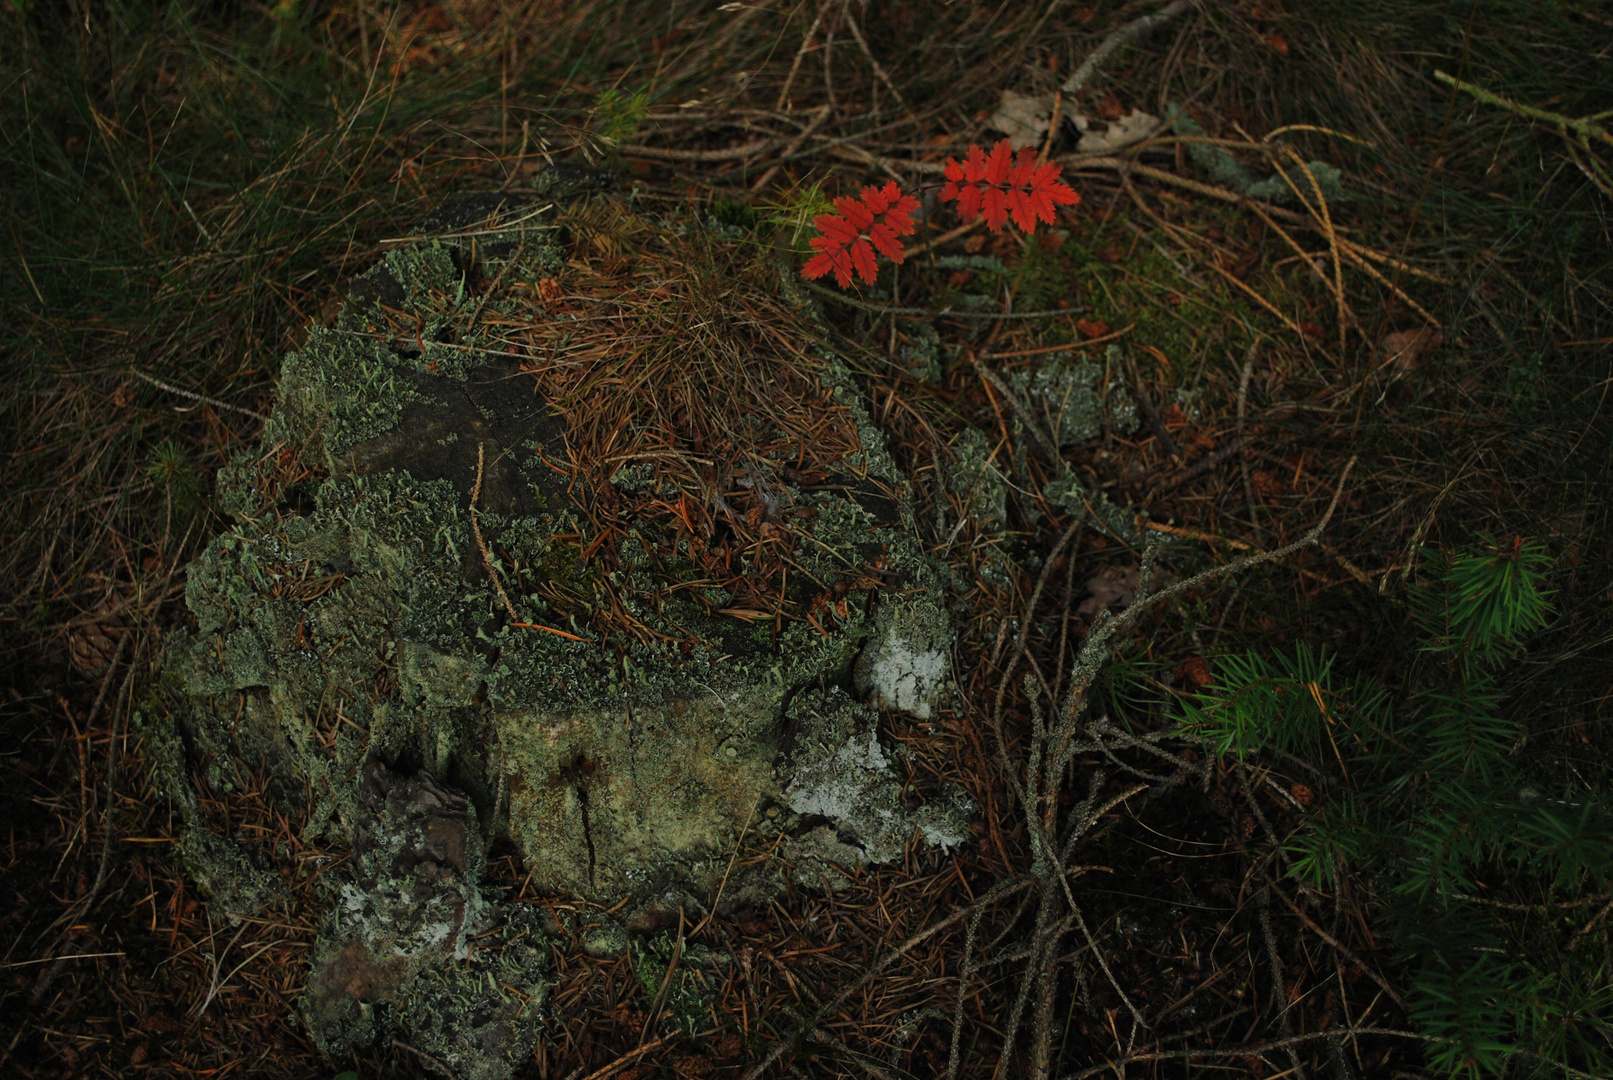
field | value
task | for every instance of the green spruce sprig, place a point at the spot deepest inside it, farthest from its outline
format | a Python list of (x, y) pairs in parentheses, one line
[(1427, 806)]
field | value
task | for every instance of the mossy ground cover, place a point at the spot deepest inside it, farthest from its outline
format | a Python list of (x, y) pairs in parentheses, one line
[(190, 187)]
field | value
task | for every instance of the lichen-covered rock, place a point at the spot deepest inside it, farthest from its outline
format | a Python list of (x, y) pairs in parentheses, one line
[(396, 949), (472, 594)]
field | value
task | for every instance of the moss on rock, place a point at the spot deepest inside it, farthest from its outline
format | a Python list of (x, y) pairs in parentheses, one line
[(433, 626)]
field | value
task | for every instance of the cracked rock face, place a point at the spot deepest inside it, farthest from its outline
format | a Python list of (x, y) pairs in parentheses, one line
[(433, 627)]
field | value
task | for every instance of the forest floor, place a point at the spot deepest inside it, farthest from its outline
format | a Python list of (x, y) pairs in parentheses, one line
[(1350, 255)]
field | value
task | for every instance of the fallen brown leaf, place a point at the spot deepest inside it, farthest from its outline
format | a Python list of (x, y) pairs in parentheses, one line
[(1407, 348), (1194, 670), (1111, 587)]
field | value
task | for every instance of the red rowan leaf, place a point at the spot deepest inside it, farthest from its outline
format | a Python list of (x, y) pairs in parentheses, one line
[(995, 207), (847, 241), (855, 212), (862, 256), (823, 263), (1024, 212), (884, 238), (1001, 188), (837, 228), (998, 164)]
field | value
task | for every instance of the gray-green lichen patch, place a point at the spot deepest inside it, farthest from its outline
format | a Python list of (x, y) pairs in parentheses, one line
[(977, 478), (1070, 401), (423, 646)]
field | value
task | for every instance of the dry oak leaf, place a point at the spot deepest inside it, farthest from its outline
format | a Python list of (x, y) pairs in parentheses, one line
[(1023, 118), (848, 240), (1003, 187), (1125, 130)]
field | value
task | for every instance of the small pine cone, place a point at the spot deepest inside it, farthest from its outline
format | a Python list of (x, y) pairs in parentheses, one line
[(92, 645)]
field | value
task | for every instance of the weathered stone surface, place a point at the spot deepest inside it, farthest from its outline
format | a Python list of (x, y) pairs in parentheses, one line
[(407, 628)]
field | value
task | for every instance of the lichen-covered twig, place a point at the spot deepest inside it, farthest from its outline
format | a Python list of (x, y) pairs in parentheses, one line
[(1055, 741), (1584, 128), (1097, 649), (203, 398), (1122, 37), (481, 544)]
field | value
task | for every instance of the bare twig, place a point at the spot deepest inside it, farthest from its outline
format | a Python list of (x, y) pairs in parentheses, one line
[(819, 115), (1155, 423), (1243, 459), (1279, 987), (498, 280), (1202, 465), (666, 984), (1238, 1052), (800, 54), (1585, 930), (83, 905), (1343, 950), (940, 313), (481, 544), (862, 43), (997, 892), (727, 153)]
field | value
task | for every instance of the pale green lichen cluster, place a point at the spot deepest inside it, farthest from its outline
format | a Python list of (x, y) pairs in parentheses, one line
[(353, 622), (690, 991), (905, 662), (975, 475)]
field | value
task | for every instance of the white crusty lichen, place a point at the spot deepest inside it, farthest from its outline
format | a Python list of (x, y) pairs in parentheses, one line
[(905, 664), (836, 786), (839, 773)]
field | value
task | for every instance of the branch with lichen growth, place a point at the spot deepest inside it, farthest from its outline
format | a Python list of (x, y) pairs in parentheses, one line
[(1585, 128)]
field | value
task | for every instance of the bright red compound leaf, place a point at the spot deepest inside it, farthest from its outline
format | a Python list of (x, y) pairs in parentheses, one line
[(848, 240), (1001, 188)]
